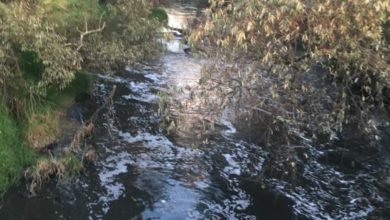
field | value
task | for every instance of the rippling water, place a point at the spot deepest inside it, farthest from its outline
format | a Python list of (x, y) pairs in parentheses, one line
[(143, 173)]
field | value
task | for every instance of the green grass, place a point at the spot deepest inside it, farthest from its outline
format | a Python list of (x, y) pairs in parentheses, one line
[(14, 156), (21, 140), (36, 125)]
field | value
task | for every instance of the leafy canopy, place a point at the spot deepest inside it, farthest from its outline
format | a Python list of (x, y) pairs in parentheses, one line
[(270, 48), (44, 43)]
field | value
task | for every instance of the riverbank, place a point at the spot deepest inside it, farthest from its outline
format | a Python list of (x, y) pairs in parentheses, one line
[(45, 49), (14, 156), (185, 165), (28, 141)]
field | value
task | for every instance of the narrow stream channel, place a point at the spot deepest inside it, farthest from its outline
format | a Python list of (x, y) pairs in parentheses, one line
[(142, 173)]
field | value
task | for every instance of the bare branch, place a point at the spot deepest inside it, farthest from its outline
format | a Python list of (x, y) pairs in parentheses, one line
[(88, 32)]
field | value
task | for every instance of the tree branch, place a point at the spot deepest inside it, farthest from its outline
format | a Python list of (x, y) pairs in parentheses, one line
[(87, 32)]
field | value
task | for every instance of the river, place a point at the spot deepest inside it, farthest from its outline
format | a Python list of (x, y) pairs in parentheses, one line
[(143, 172)]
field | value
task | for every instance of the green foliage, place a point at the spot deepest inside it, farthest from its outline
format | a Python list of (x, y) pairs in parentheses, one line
[(31, 66), (160, 14), (14, 157), (45, 43), (45, 48), (129, 36), (273, 47), (34, 56), (82, 83), (73, 164)]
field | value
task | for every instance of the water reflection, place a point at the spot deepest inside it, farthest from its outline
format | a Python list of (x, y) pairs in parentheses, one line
[(192, 173)]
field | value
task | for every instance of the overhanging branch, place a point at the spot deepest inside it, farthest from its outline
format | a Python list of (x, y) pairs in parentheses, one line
[(86, 31)]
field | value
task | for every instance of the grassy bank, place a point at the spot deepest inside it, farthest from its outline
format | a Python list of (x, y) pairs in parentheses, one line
[(24, 140), (45, 48), (15, 156)]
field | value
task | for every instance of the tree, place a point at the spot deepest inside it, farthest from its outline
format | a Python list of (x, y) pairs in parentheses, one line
[(313, 65), (43, 44)]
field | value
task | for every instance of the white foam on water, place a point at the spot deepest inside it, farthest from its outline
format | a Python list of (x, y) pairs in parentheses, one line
[(112, 167), (174, 46), (148, 98), (150, 140), (141, 92), (230, 127), (315, 210), (161, 146), (132, 70), (112, 78), (202, 184), (233, 167), (312, 201), (139, 87), (156, 78)]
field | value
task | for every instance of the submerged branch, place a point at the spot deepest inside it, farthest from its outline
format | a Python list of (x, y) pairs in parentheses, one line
[(88, 126)]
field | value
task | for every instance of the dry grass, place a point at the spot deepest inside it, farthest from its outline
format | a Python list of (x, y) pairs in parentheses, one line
[(42, 129), (64, 167)]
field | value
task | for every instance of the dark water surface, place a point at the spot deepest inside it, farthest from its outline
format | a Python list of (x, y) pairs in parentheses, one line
[(143, 173)]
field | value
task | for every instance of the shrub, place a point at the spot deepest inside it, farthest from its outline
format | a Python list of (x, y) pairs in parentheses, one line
[(314, 65), (159, 14), (45, 43), (45, 48)]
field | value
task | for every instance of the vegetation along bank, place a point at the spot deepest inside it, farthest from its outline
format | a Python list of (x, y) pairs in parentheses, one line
[(47, 50)]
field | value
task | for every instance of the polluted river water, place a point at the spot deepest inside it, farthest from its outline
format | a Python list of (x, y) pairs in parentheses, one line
[(143, 173)]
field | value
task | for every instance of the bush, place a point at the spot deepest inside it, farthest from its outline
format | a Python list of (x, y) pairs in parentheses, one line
[(159, 14), (313, 65), (45, 43), (45, 48), (65, 98)]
